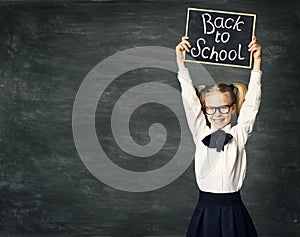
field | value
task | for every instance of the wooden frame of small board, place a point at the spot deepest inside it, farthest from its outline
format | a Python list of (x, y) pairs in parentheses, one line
[(223, 12)]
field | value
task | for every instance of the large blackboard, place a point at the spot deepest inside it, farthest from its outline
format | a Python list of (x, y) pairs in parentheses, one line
[(220, 37)]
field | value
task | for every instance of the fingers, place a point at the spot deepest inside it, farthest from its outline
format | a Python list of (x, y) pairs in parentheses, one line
[(254, 48), (254, 40), (254, 45), (185, 40), (184, 45)]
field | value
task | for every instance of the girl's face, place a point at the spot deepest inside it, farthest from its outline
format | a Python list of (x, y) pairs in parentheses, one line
[(221, 100)]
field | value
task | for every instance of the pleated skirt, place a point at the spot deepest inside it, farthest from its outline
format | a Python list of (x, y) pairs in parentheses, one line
[(221, 215)]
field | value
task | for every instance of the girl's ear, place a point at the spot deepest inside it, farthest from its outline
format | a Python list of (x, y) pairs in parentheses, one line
[(233, 109)]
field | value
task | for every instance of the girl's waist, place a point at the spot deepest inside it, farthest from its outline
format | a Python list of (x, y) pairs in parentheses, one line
[(220, 198)]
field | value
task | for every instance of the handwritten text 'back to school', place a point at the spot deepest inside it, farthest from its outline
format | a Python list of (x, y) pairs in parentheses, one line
[(211, 27)]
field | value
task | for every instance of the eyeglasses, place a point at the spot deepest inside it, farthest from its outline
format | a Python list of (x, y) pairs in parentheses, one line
[(210, 110)]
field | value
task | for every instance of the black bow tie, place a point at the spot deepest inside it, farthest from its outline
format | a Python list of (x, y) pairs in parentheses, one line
[(217, 139)]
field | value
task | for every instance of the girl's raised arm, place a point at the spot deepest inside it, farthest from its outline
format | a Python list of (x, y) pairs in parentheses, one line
[(192, 106), (251, 105), (183, 46)]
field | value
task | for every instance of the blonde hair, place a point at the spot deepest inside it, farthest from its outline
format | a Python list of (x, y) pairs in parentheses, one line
[(237, 97)]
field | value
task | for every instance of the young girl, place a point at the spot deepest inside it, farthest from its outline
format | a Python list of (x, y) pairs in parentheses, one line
[(220, 157)]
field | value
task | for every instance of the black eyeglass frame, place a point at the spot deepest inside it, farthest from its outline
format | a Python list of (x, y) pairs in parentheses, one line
[(217, 108)]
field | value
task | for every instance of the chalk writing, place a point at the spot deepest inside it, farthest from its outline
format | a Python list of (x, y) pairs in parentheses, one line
[(220, 37)]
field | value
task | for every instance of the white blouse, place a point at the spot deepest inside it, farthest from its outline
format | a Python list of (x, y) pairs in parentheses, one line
[(220, 172)]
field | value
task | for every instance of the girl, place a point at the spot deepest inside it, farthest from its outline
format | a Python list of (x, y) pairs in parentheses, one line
[(220, 157)]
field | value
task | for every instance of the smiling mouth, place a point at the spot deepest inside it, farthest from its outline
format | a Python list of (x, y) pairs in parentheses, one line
[(219, 121)]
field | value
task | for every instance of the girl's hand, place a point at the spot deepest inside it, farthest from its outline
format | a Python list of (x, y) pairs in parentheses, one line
[(184, 45), (255, 48)]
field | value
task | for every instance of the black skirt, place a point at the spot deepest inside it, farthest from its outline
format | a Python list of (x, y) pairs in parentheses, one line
[(221, 215)]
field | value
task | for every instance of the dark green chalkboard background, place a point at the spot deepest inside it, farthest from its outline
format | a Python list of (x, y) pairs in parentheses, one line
[(46, 50)]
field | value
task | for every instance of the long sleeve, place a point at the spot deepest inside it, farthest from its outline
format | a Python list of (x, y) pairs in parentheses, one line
[(250, 107), (192, 106)]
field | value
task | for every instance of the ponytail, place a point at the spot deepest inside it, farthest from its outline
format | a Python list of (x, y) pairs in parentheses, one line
[(240, 95), (199, 91)]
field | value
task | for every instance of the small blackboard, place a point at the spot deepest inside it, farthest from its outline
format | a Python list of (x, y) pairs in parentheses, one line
[(219, 37)]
